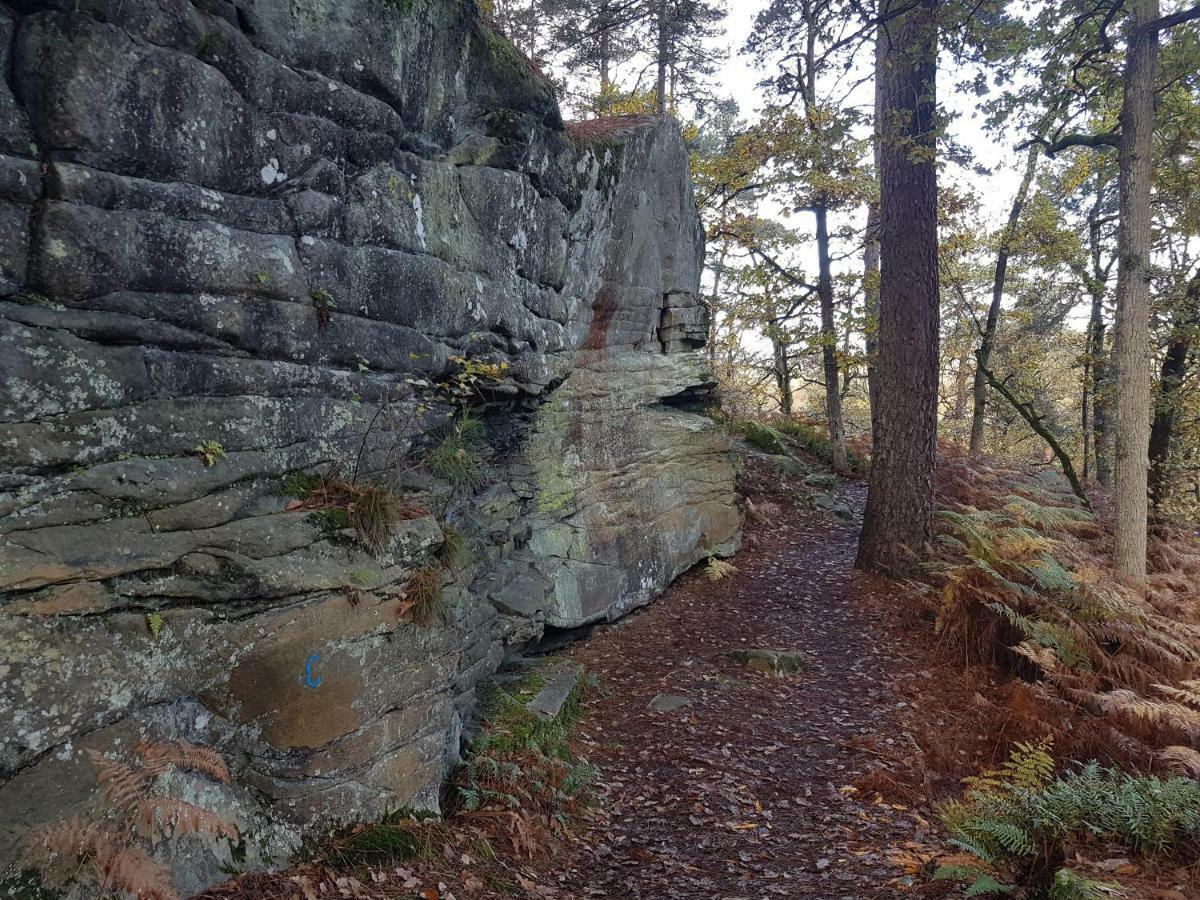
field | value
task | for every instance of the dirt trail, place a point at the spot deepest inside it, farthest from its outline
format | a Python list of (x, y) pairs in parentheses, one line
[(745, 792)]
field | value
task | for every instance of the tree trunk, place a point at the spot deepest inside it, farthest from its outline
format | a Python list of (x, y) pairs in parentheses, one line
[(605, 51), (661, 95), (1085, 423), (896, 525), (783, 372), (1174, 370), (829, 357), (871, 304), (871, 249), (713, 324), (1132, 347), (1101, 389), (988, 338)]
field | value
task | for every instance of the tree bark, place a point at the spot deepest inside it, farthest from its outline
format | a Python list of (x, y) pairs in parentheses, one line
[(1132, 347), (871, 304), (871, 248), (1174, 370), (1101, 389), (897, 522), (782, 370), (829, 357), (661, 94), (988, 338)]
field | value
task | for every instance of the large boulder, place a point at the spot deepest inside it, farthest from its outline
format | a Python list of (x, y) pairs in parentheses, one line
[(242, 242)]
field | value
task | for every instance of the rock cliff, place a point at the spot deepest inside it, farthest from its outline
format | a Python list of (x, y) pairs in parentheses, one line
[(248, 243)]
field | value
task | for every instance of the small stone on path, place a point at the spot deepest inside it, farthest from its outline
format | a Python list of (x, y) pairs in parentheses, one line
[(549, 701), (669, 702)]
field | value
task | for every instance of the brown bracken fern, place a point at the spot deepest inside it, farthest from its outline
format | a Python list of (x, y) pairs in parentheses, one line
[(1026, 584), (115, 850)]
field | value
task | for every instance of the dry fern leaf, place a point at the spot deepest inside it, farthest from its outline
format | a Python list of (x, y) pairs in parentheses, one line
[(1042, 657), (158, 756), (1186, 692), (180, 817), (134, 871), (124, 785), (1155, 712), (1183, 760), (66, 840)]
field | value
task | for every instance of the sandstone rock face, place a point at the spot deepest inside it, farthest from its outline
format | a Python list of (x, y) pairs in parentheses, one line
[(243, 241)]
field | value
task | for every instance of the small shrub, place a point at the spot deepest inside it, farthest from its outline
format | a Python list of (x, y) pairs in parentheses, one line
[(459, 453), (761, 437), (814, 439), (210, 452), (454, 551), (372, 510), (422, 602)]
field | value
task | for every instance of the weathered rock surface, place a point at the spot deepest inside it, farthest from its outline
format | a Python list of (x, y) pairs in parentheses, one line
[(270, 225)]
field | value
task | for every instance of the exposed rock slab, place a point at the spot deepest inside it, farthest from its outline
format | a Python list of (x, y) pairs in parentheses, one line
[(255, 225)]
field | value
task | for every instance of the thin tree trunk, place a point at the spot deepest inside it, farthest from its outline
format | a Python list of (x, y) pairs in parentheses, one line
[(897, 521), (783, 372), (1101, 389), (661, 97), (829, 357), (1036, 421), (605, 63), (1174, 370), (713, 325), (1085, 423), (988, 338), (1132, 347)]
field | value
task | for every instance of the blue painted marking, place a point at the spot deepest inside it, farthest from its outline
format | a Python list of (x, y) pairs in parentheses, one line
[(311, 679)]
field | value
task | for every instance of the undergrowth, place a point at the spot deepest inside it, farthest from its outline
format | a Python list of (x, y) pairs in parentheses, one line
[(1015, 824), (783, 436), (371, 510), (1025, 584), (522, 770), (519, 784)]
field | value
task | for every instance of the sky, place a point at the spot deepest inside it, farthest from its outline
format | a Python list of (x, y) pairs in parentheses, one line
[(739, 77)]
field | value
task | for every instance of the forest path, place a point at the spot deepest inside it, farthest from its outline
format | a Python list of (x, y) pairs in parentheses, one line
[(747, 791)]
